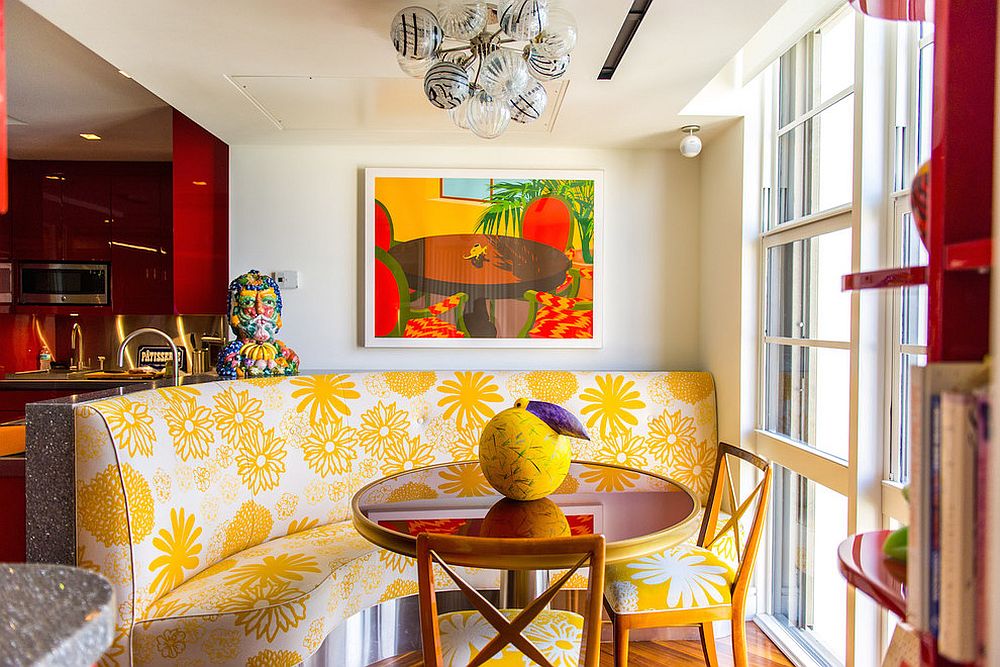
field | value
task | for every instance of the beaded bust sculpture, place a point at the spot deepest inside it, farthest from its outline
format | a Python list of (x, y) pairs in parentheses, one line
[(255, 318)]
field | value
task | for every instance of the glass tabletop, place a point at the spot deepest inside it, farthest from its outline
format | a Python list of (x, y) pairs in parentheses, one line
[(637, 511)]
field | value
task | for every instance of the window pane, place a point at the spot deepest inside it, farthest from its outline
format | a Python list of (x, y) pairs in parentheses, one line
[(900, 463), (804, 299), (807, 396), (914, 299), (816, 163), (809, 595), (925, 88), (792, 96), (833, 54)]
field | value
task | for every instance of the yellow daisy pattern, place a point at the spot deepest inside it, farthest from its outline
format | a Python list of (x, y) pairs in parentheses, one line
[(131, 425), (180, 549), (281, 569), (624, 449), (269, 658), (237, 415), (324, 395), (669, 432), (261, 461), (693, 467), (406, 455), (382, 426), (264, 610), (610, 405), (190, 426), (605, 478), (410, 383), (221, 515), (329, 449), (467, 397), (464, 481)]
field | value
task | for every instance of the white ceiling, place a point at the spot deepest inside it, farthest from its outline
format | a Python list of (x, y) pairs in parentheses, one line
[(324, 71), (57, 88)]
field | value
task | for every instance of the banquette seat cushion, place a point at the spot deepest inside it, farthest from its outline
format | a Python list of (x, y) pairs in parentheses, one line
[(221, 511)]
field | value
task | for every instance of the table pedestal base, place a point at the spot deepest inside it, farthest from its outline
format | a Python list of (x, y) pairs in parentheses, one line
[(519, 587), (477, 319)]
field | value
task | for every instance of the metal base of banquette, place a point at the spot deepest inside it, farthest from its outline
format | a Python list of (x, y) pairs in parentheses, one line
[(393, 628)]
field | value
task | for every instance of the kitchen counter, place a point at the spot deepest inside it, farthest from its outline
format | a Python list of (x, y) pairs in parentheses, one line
[(60, 380), (54, 615)]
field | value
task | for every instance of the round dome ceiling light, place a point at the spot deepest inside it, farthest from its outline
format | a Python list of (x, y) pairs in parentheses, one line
[(690, 144)]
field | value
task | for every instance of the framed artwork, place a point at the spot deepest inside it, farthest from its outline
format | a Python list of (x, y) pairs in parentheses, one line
[(483, 258)]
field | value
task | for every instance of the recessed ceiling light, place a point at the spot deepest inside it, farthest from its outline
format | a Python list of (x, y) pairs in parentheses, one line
[(199, 182), (90, 136), (125, 74)]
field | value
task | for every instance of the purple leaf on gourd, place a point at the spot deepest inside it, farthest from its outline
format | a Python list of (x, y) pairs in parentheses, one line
[(558, 418)]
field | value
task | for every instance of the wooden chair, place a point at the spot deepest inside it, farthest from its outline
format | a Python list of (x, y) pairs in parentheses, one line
[(559, 314), (490, 636), (394, 316), (695, 584)]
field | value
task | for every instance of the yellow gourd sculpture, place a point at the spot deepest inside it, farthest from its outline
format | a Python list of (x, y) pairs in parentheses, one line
[(524, 451)]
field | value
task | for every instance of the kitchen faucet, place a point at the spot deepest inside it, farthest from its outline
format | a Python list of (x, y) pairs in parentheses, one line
[(76, 347), (151, 330)]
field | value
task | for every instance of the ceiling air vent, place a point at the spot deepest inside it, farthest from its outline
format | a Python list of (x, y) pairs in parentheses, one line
[(631, 25)]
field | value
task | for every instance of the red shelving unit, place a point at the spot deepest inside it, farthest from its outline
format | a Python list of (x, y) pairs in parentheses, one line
[(885, 278), (969, 256)]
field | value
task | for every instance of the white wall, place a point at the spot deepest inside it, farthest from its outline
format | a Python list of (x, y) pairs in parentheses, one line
[(720, 247), (300, 208)]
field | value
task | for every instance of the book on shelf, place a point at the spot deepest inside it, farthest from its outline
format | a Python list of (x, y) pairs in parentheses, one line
[(947, 513)]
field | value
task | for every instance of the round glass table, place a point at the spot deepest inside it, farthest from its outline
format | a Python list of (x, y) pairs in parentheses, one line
[(638, 512)]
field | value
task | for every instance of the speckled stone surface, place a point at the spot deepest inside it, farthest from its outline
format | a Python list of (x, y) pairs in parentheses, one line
[(54, 615), (50, 470)]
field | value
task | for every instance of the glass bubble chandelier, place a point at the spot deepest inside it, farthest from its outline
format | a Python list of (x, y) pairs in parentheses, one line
[(485, 62)]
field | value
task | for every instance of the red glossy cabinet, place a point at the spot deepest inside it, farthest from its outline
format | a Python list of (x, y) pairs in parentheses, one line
[(61, 211), (141, 245), (85, 213)]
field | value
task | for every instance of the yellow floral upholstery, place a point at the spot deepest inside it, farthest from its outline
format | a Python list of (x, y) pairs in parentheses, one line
[(556, 634), (178, 488), (679, 577)]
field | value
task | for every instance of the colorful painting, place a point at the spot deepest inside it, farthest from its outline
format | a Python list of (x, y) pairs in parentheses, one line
[(483, 258)]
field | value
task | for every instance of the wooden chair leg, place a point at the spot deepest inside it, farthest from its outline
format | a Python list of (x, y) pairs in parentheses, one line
[(707, 633), (620, 632), (739, 640)]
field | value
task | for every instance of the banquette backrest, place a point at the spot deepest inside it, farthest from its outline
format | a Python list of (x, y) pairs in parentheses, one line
[(173, 480)]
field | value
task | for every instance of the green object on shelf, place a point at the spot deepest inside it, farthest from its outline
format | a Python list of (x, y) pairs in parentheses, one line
[(895, 545)]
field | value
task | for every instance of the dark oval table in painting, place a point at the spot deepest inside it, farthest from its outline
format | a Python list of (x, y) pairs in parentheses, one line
[(638, 512), (509, 267)]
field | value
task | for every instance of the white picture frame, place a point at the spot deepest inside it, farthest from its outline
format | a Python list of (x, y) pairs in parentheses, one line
[(414, 220)]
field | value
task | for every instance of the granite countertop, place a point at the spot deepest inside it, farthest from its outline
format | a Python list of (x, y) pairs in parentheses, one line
[(54, 615), (70, 380)]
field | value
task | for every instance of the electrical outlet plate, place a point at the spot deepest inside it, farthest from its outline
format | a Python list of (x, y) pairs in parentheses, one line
[(287, 279)]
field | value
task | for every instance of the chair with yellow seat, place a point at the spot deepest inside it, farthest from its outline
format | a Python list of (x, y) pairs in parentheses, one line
[(505, 637), (700, 583)]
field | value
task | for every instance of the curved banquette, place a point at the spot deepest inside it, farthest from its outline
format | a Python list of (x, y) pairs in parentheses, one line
[(221, 511)]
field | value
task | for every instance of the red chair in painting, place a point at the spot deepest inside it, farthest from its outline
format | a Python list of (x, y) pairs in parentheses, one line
[(383, 227), (394, 317), (554, 315), (547, 220)]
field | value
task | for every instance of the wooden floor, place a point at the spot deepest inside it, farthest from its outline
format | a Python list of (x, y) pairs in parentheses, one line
[(762, 652)]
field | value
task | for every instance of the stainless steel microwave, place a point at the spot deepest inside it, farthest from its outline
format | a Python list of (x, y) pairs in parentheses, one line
[(64, 284)]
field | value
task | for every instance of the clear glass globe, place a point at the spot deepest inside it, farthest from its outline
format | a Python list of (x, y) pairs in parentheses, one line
[(446, 85), (416, 33), (488, 117), (464, 59), (416, 68), (460, 114), (462, 19), (529, 106), (504, 74), (523, 19), (544, 68), (559, 36)]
